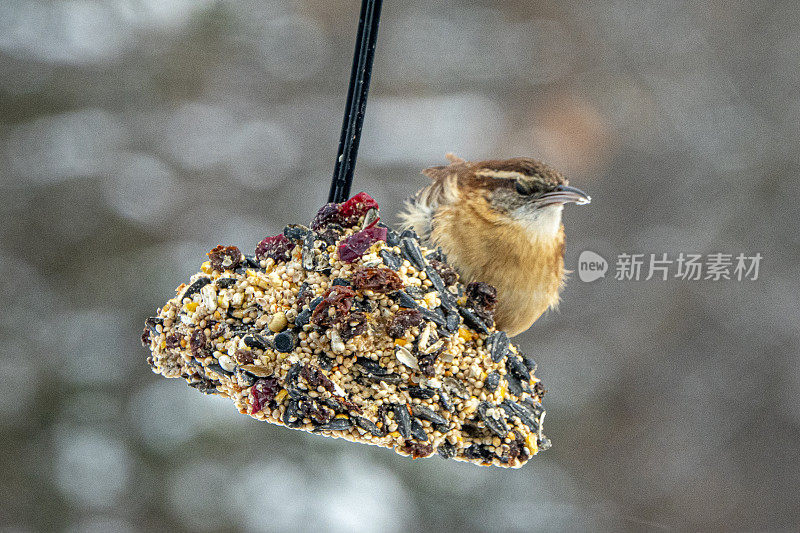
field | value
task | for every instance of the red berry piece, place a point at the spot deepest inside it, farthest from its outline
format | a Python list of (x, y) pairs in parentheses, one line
[(381, 280), (356, 207), (334, 307), (263, 392), (356, 244), (278, 248)]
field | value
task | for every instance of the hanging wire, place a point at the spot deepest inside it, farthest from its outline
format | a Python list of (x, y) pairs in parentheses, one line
[(356, 100)]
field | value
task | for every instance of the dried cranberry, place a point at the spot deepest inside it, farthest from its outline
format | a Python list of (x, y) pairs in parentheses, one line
[(225, 257), (356, 244), (402, 320), (446, 272), (355, 325), (356, 207), (243, 357), (328, 214), (173, 341), (334, 307), (197, 343), (263, 392), (278, 248), (315, 377), (482, 298), (417, 449), (146, 337), (381, 280)]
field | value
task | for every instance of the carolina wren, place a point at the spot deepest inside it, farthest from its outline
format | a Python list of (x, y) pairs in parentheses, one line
[(499, 222)]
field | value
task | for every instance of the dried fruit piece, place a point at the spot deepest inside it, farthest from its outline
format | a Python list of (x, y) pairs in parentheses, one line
[(197, 343), (334, 307), (263, 392), (402, 320), (355, 207), (328, 214), (225, 257), (355, 325), (356, 244), (243, 357), (173, 340), (417, 449), (380, 280), (482, 298), (277, 247)]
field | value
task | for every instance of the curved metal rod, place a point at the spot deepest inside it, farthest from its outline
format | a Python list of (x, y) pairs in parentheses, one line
[(356, 100)]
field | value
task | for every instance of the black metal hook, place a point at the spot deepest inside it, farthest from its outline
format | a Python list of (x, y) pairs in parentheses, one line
[(356, 100)]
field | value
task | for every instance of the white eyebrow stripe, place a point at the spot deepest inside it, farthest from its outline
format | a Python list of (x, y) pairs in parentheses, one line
[(499, 174)]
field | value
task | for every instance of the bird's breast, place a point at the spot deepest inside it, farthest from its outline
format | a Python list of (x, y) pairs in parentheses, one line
[(527, 269)]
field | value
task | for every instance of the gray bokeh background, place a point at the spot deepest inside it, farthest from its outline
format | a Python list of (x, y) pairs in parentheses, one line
[(137, 134)]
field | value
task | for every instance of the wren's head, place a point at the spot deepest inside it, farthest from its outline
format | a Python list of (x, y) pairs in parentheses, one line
[(526, 191), (499, 221)]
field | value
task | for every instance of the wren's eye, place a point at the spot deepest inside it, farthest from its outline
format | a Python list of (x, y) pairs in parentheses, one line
[(525, 188)]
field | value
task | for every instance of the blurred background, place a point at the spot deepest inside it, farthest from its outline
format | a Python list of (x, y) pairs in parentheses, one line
[(135, 135)]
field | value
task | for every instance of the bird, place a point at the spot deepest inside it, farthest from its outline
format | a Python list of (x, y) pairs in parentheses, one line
[(499, 222)]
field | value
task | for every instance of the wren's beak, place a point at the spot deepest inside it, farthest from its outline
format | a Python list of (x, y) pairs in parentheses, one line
[(563, 194)]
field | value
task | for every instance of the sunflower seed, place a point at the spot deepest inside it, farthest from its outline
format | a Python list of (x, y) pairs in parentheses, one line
[(195, 287), (488, 413), (527, 417), (285, 341), (411, 251), (337, 424), (498, 342), (472, 320), (403, 420), (421, 393), (391, 260), (425, 413), (405, 357), (371, 366), (516, 367), (404, 300), (367, 425), (417, 431)]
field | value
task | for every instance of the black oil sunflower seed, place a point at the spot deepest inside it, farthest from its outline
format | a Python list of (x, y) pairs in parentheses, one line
[(495, 425), (517, 367), (390, 259), (255, 341), (424, 413), (367, 425), (472, 320), (337, 424), (421, 393), (411, 251), (498, 342), (295, 232), (195, 287), (403, 419), (417, 431)]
